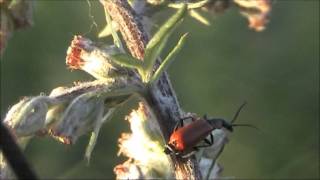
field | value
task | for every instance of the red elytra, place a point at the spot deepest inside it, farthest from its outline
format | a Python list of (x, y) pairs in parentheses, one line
[(190, 135)]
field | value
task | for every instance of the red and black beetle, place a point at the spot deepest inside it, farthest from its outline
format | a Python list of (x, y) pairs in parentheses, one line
[(185, 139)]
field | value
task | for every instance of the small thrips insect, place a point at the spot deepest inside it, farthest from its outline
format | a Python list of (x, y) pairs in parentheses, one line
[(185, 139)]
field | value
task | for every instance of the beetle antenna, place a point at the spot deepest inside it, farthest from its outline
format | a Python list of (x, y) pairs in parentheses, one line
[(238, 112), (246, 125)]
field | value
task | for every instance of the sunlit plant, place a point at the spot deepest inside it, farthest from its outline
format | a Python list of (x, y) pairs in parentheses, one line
[(68, 113)]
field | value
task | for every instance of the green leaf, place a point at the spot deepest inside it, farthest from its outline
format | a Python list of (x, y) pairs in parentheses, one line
[(191, 5), (115, 36), (196, 15), (91, 145), (158, 41), (107, 30), (126, 60), (95, 134), (170, 58)]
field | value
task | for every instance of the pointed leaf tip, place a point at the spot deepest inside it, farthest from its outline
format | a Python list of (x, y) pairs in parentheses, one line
[(170, 58), (159, 40)]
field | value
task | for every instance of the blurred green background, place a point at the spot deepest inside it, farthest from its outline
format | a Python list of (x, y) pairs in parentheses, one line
[(276, 72)]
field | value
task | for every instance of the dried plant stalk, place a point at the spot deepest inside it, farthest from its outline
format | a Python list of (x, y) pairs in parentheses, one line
[(161, 98)]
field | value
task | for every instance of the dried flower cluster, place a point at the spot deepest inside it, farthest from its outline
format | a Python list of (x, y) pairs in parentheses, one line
[(256, 11), (14, 15)]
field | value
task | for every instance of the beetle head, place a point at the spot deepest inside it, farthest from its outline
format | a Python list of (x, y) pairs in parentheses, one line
[(219, 123), (227, 125)]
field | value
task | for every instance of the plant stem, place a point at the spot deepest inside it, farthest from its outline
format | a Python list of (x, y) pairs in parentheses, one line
[(160, 97)]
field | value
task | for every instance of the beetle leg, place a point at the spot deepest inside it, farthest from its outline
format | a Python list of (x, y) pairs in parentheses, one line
[(208, 142), (202, 146), (189, 154), (193, 117), (211, 141), (186, 117), (181, 122)]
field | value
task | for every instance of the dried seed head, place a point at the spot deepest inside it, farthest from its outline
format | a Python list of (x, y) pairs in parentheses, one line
[(85, 55), (10, 119), (14, 15), (78, 44), (143, 145), (256, 11), (54, 115), (6, 29), (28, 116), (79, 118), (129, 170), (60, 138)]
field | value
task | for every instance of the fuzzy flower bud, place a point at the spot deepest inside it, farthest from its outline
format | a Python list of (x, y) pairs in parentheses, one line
[(144, 147), (28, 116), (83, 54), (78, 118)]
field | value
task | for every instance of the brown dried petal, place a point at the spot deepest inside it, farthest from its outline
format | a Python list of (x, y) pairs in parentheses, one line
[(256, 11)]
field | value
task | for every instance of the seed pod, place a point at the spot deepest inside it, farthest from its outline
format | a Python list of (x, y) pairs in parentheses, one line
[(28, 116), (10, 119), (79, 118), (54, 115)]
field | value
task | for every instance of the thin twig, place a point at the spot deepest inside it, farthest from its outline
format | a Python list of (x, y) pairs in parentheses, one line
[(14, 155)]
